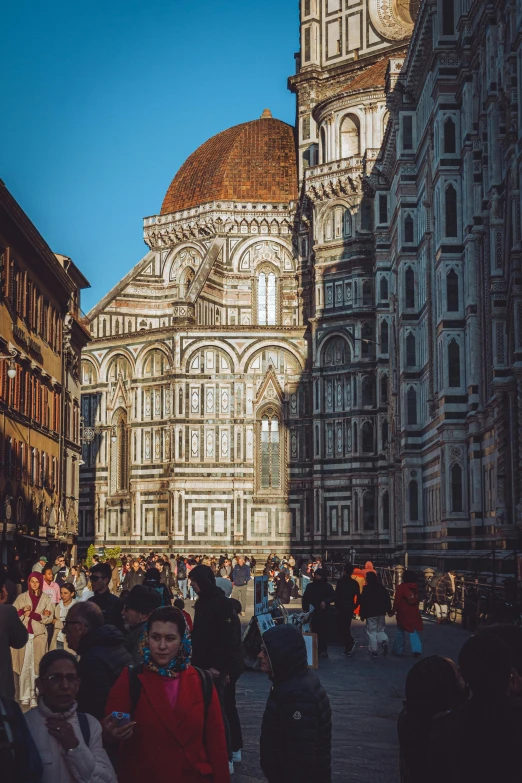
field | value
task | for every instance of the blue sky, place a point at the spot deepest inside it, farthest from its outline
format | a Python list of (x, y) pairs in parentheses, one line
[(102, 101)]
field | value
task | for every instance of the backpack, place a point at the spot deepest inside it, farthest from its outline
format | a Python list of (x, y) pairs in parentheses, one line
[(207, 686), (412, 599)]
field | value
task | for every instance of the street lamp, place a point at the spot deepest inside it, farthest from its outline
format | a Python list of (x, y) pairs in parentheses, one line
[(114, 437), (10, 356)]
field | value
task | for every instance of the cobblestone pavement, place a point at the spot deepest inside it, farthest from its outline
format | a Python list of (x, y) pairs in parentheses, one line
[(366, 697)]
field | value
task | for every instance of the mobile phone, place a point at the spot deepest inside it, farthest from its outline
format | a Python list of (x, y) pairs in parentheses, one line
[(122, 717)]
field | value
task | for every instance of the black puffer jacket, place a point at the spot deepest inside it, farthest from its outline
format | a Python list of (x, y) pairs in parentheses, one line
[(216, 636), (103, 657), (296, 732)]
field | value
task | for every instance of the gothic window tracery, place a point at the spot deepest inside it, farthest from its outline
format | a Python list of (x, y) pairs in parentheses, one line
[(450, 142), (120, 454), (409, 288), (452, 291), (411, 406), (267, 298), (453, 363), (119, 365), (269, 451), (450, 205)]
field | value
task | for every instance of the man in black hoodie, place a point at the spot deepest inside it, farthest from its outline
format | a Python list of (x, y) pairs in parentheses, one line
[(296, 732), (217, 646), (319, 594), (103, 655), (347, 597)]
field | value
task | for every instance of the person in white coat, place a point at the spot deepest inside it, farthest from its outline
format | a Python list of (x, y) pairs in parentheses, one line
[(69, 742), (35, 610)]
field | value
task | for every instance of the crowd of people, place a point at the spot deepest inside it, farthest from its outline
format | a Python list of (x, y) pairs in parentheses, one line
[(105, 676)]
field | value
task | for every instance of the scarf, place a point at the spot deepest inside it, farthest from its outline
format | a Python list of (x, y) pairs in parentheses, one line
[(175, 666)]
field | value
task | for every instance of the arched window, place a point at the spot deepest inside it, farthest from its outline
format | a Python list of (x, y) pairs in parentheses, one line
[(154, 364), (411, 353), (411, 406), (456, 489), (384, 337), (367, 293), (452, 291), (448, 17), (355, 507), (450, 142), (355, 444), (367, 437), (384, 435), (453, 364), (350, 136), (451, 211), (384, 289), (117, 327), (270, 477), (385, 511), (366, 340), (414, 501), (408, 228), (187, 278), (367, 391), (119, 366), (129, 326), (368, 511), (120, 455), (409, 287), (347, 223), (384, 389), (323, 146), (266, 299), (366, 214)]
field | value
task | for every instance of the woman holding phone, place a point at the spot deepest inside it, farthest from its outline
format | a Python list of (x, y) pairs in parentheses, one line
[(36, 610), (174, 711)]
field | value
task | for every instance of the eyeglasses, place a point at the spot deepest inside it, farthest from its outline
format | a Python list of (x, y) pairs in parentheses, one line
[(57, 679)]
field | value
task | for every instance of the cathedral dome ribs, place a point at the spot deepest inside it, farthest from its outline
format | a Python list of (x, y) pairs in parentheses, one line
[(251, 162)]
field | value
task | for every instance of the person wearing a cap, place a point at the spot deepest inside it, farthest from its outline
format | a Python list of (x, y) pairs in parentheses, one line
[(138, 605), (40, 564)]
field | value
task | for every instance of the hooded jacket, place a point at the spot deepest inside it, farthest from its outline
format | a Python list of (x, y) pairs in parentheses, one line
[(296, 731), (406, 607), (216, 636), (103, 657)]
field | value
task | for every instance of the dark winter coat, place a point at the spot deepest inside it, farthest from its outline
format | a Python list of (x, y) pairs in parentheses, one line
[(103, 656), (347, 594), (133, 578), (111, 607), (375, 601), (296, 731), (283, 589), (406, 607), (182, 569), (133, 640), (216, 636), (443, 589), (477, 743), (317, 591)]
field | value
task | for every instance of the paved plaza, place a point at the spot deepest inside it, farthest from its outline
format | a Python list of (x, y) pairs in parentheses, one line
[(366, 697)]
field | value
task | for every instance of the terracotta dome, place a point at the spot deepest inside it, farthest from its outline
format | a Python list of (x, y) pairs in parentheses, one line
[(254, 161)]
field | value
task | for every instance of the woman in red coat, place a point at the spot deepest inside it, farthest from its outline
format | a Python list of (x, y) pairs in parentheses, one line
[(409, 620), (173, 736)]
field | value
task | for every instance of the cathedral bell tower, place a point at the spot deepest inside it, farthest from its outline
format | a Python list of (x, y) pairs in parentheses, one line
[(349, 50)]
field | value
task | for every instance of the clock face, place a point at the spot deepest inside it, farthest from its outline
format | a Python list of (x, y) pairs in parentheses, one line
[(407, 10), (393, 19)]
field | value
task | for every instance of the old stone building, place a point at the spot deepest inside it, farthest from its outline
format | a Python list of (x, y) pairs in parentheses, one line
[(41, 338), (319, 350)]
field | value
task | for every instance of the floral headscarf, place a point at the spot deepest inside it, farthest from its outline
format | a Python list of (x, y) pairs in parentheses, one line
[(176, 665)]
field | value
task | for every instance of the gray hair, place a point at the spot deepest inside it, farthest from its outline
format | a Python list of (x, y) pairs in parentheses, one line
[(87, 613)]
